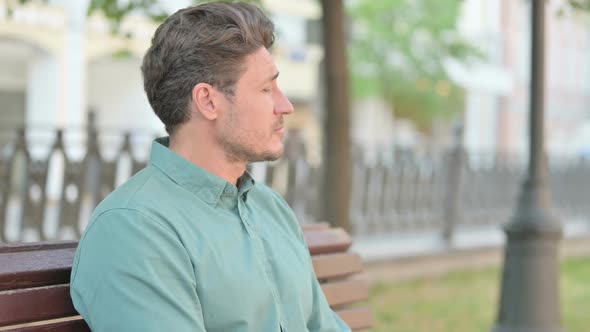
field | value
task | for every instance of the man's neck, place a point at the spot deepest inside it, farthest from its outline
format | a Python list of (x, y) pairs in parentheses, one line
[(208, 156)]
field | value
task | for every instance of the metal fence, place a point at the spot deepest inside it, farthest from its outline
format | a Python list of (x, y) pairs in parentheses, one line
[(405, 190), (51, 180)]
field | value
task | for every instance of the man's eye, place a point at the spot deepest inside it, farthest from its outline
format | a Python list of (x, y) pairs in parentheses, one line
[(267, 89)]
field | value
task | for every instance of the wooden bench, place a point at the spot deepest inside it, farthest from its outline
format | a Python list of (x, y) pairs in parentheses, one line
[(34, 282)]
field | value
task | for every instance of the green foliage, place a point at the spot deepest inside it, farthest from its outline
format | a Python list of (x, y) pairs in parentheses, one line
[(122, 54), (580, 4), (397, 52), (256, 2), (115, 11)]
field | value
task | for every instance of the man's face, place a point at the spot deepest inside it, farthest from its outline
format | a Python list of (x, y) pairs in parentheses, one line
[(251, 126)]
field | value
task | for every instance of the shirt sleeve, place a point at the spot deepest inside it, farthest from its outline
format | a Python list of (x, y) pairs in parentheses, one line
[(133, 274)]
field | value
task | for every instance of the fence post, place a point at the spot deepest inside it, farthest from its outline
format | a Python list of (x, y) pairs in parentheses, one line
[(455, 163), (91, 185)]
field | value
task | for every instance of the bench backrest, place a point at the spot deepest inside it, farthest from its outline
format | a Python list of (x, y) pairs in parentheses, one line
[(34, 282)]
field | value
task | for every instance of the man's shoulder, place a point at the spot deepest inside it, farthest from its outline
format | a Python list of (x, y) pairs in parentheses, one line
[(125, 213), (142, 189), (123, 194), (134, 200)]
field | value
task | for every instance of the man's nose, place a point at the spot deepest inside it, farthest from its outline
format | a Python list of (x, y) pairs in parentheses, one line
[(282, 103)]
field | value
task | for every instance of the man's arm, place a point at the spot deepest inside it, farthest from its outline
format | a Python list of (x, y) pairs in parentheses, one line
[(133, 274)]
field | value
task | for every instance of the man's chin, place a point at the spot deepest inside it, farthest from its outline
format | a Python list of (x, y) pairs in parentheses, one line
[(273, 157), (270, 155)]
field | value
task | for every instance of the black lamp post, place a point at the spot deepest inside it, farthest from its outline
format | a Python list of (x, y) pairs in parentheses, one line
[(530, 280)]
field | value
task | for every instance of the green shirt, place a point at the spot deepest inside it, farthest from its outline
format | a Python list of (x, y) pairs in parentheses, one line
[(177, 248)]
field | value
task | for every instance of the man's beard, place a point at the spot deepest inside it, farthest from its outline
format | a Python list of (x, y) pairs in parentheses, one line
[(237, 152), (236, 147)]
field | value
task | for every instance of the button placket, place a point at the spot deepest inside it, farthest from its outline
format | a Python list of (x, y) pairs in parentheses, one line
[(263, 259)]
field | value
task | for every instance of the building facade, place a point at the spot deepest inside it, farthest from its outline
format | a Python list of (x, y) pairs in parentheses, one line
[(497, 108), (58, 64)]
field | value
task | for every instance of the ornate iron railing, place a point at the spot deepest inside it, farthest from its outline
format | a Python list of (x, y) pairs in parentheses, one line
[(51, 181)]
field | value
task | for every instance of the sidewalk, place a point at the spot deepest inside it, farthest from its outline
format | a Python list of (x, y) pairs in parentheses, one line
[(410, 256)]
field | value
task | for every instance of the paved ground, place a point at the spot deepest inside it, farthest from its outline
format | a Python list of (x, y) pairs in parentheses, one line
[(413, 266)]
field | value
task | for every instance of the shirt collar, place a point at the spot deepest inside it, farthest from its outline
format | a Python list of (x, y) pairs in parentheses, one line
[(204, 184)]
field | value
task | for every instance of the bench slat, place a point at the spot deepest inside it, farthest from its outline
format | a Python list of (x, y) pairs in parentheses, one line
[(77, 325), (315, 226), (27, 269), (36, 246), (336, 265), (43, 303), (34, 281), (340, 293), (325, 241), (357, 318)]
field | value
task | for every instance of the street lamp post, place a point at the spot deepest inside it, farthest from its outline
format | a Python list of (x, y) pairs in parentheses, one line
[(529, 300)]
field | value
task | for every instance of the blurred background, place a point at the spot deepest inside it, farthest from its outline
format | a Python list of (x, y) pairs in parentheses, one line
[(426, 131)]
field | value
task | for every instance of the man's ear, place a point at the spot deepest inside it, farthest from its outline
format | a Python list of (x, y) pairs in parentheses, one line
[(204, 97)]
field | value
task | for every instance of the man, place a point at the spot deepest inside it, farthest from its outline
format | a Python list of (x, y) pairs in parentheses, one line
[(192, 243)]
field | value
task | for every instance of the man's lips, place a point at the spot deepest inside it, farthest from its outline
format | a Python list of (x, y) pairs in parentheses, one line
[(280, 127)]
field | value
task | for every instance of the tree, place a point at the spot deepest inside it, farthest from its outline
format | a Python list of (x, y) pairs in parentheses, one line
[(337, 154), (398, 50)]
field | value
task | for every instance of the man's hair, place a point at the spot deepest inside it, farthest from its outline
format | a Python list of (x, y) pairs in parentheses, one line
[(207, 43)]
